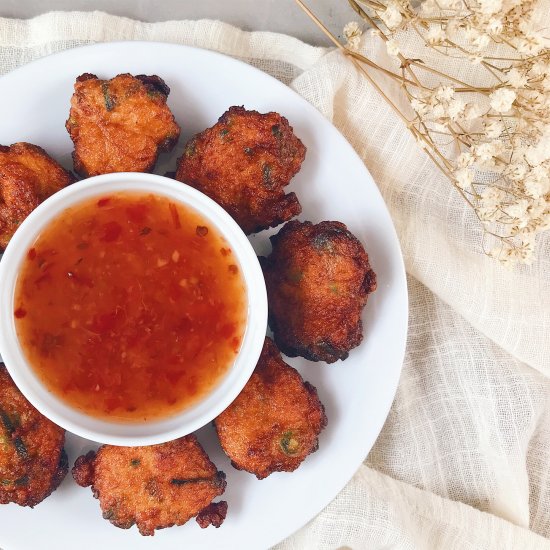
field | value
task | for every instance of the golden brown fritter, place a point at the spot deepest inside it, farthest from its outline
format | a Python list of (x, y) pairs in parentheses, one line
[(244, 162), (32, 460), (28, 176), (154, 487), (318, 278), (120, 125), (275, 422)]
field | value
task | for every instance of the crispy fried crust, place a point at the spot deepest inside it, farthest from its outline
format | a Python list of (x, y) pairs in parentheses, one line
[(154, 487), (120, 125), (32, 460), (214, 514), (275, 422), (318, 279), (28, 176), (244, 162)]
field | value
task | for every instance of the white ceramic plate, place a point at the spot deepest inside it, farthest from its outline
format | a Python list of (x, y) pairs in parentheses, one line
[(333, 184)]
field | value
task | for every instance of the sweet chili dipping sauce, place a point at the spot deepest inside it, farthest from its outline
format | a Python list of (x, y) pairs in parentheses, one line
[(130, 307)]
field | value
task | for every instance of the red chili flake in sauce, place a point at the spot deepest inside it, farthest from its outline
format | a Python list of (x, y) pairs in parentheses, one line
[(19, 313), (31, 254), (103, 202), (127, 327), (175, 215), (111, 231), (236, 343)]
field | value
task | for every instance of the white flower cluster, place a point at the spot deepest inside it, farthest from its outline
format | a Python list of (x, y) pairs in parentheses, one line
[(495, 139), (523, 202), (391, 15), (502, 99), (441, 106), (484, 21), (352, 34)]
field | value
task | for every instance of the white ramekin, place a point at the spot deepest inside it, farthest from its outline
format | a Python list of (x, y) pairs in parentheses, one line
[(118, 433)]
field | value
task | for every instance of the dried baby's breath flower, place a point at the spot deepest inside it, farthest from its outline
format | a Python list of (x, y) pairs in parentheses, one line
[(501, 100), (485, 153), (516, 171), (465, 159), (494, 128), (455, 109), (537, 182), (353, 33), (464, 178), (444, 93), (436, 35), (421, 107), (486, 126), (532, 42), (518, 210), (480, 41), (472, 111), (517, 79), (391, 15), (495, 26)]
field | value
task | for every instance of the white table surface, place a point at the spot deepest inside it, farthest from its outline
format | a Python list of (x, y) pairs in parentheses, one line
[(263, 15)]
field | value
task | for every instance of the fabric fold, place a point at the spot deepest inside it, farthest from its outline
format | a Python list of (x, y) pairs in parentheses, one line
[(401, 516)]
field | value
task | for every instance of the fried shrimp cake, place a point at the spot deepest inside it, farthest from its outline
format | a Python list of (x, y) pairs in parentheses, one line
[(32, 460), (120, 125), (275, 422), (318, 279), (28, 176), (154, 487), (244, 162)]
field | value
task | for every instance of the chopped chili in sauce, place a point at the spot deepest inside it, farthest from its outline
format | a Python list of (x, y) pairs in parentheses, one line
[(128, 309)]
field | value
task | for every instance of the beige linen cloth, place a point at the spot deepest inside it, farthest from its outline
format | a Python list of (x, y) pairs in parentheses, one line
[(463, 459)]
